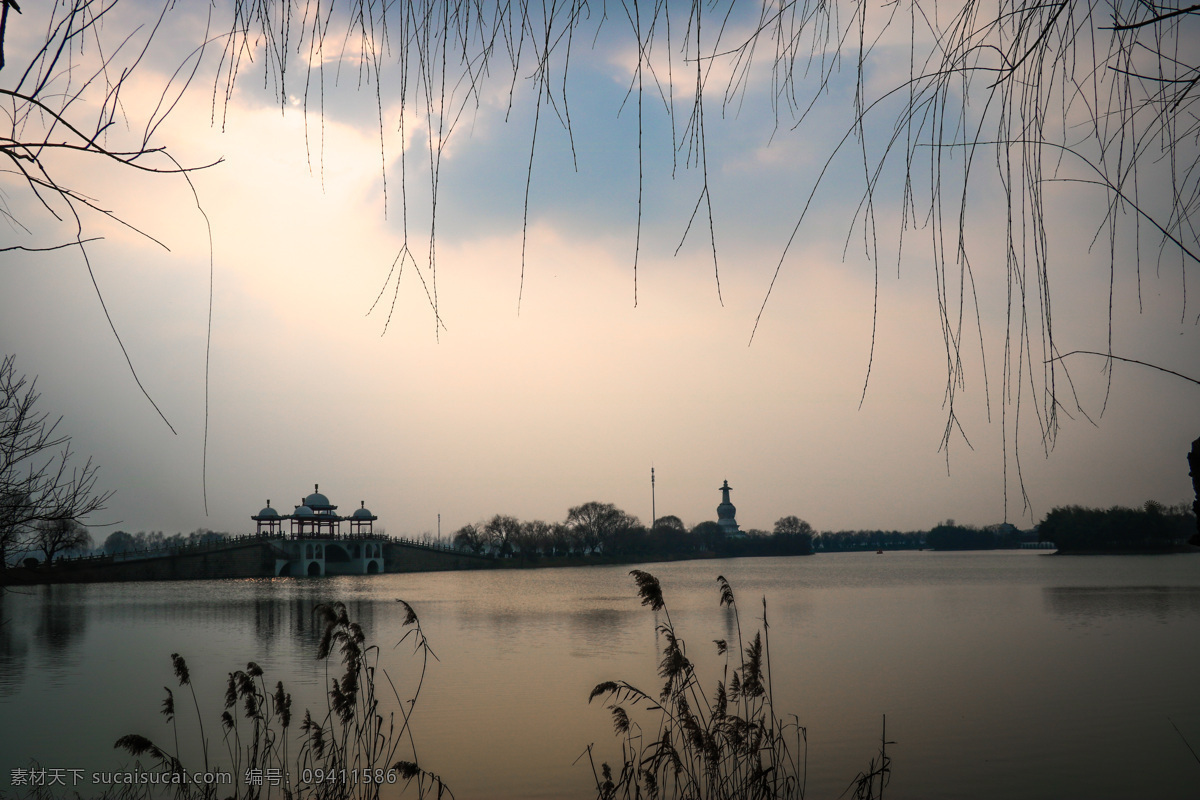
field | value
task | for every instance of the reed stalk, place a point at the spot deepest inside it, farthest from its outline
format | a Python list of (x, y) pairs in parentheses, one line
[(356, 749), (734, 746)]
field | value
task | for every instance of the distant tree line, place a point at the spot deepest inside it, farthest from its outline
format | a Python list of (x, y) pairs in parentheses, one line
[(844, 541), (1151, 527), (125, 542), (949, 536), (57, 537), (602, 529), (64, 537)]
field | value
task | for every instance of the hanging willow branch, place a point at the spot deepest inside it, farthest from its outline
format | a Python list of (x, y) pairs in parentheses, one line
[(1000, 99)]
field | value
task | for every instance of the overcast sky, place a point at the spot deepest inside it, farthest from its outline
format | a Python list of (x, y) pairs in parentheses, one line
[(577, 393)]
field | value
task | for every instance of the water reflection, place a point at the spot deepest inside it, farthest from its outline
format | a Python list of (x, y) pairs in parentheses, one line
[(50, 625), (62, 620), (14, 648), (1084, 605), (953, 647), (598, 630)]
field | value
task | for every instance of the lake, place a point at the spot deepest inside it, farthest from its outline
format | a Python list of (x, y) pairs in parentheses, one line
[(1002, 673)]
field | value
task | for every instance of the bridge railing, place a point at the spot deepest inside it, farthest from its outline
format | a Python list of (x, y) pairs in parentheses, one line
[(439, 547), (188, 548)]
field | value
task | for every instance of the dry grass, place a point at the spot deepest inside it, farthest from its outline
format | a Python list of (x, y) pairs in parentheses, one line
[(353, 750), (727, 744)]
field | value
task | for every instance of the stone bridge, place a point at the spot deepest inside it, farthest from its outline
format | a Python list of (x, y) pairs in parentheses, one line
[(256, 556), (318, 556)]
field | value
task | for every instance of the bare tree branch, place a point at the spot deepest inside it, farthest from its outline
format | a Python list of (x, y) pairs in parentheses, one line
[(1111, 357), (40, 490)]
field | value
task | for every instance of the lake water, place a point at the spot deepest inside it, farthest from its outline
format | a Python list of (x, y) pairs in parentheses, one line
[(1002, 674)]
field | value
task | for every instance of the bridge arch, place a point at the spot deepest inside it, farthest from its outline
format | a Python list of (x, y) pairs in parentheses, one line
[(336, 552)]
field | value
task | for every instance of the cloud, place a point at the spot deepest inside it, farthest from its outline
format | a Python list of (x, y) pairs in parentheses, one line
[(576, 396)]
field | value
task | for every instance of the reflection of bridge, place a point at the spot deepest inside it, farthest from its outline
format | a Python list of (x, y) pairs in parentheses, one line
[(328, 555)]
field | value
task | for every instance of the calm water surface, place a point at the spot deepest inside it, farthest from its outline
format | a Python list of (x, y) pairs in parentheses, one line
[(1002, 674)]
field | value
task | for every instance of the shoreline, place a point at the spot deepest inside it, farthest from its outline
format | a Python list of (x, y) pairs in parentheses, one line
[(1175, 549)]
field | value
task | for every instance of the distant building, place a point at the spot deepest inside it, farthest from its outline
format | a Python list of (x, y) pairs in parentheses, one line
[(315, 517), (315, 544), (268, 521), (726, 512)]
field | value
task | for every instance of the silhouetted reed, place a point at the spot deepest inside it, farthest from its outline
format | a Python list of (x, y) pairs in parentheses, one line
[(728, 744), (350, 751), (869, 783)]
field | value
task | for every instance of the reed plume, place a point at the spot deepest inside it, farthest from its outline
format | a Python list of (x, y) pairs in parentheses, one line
[(727, 744), (355, 735)]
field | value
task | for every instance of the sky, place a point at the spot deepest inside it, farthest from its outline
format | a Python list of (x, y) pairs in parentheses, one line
[(547, 386)]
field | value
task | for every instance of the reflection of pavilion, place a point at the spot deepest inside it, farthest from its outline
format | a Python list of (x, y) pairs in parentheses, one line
[(315, 544)]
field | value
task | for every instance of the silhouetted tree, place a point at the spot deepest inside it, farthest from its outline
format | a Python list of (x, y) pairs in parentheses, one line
[(502, 533), (205, 535), (669, 535), (669, 522), (559, 538), (708, 535), (57, 536), (1194, 471), (15, 509), (597, 524), (949, 536), (792, 525), (793, 535), (535, 538), (119, 542), (1152, 527), (470, 537), (38, 482)]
